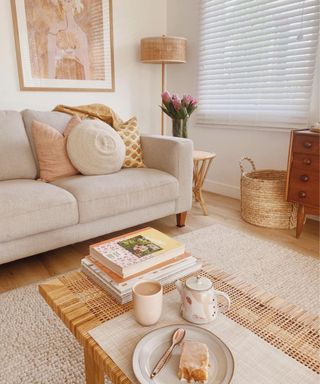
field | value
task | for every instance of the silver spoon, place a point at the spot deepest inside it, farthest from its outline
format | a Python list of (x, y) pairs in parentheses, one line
[(177, 337)]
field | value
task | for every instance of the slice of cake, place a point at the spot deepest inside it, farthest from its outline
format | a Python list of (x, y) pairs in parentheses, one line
[(194, 362)]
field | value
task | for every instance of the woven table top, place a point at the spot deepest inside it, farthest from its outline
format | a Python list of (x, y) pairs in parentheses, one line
[(82, 306)]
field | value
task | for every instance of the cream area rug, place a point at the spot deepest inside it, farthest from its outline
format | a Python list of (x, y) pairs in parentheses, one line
[(276, 269), (35, 346)]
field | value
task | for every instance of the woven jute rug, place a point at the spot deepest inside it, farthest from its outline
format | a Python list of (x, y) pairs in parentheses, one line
[(37, 348)]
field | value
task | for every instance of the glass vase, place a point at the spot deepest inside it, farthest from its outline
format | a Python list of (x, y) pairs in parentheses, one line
[(179, 127)]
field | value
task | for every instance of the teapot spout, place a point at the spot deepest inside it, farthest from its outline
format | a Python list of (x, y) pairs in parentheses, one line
[(179, 286)]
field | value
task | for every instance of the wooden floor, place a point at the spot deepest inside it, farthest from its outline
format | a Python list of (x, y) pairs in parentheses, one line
[(221, 209)]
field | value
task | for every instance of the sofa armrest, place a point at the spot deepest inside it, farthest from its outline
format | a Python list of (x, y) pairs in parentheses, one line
[(172, 155)]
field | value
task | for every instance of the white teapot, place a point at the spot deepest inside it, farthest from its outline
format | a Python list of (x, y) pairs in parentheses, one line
[(199, 300)]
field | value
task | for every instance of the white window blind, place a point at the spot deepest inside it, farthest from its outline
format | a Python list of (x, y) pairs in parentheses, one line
[(257, 62)]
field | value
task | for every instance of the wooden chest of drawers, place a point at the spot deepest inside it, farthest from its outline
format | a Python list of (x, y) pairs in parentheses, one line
[(303, 174)]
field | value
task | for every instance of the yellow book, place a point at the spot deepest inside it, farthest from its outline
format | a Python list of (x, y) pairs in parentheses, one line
[(136, 251)]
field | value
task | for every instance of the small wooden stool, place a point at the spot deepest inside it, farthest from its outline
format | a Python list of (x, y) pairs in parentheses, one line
[(202, 161)]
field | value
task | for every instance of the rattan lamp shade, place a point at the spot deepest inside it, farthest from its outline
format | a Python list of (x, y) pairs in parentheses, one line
[(165, 49)]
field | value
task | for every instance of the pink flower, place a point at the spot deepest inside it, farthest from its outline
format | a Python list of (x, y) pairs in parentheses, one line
[(176, 102), (177, 108), (187, 99), (194, 102), (166, 97)]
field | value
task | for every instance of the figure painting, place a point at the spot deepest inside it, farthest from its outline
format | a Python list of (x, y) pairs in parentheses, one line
[(67, 44), (64, 44)]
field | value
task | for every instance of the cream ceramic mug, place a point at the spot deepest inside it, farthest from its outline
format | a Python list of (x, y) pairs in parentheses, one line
[(147, 301)]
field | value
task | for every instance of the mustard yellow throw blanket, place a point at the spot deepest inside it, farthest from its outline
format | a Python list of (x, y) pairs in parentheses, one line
[(128, 130)]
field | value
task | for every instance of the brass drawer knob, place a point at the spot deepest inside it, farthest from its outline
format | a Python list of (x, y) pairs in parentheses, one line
[(304, 178), (307, 144), (307, 161), (302, 194)]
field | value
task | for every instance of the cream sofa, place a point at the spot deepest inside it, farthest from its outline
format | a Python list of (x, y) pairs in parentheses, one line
[(37, 216)]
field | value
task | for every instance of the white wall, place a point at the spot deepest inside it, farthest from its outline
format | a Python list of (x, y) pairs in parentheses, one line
[(268, 149), (137, 85)]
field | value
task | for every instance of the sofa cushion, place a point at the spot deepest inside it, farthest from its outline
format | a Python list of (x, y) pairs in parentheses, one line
[(56, 120), (130, 135), (95, 148), (28, 207), (127, 190), (51, 148), (16, 159)]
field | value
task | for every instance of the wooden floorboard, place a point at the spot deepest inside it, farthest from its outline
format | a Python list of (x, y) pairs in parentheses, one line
[(221, 209)]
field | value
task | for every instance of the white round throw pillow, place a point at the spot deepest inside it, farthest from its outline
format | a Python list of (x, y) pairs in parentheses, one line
[(95, 148)]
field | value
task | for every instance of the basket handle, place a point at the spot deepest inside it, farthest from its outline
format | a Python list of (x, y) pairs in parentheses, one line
[(250, 161)]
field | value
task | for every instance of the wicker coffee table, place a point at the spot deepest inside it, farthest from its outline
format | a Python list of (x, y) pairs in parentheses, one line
[(82, 306)]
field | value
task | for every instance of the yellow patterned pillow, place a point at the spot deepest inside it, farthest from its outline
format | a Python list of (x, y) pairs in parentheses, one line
[(129, 133)]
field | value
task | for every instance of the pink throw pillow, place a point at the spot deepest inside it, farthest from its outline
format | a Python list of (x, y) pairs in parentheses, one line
[(51, 148)]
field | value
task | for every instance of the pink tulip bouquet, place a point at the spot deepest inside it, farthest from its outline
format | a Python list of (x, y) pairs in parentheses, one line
[(179, 110)]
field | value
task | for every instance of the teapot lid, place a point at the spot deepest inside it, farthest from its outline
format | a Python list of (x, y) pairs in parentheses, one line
[(199, 283)]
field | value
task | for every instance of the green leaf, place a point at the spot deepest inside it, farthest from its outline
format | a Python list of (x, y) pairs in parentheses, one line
[(165, 111)]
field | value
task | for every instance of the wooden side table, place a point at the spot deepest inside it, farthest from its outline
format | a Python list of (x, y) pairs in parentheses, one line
[(202, 161)]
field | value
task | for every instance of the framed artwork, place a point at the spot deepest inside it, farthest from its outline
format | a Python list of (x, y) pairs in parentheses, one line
[(64, 45)]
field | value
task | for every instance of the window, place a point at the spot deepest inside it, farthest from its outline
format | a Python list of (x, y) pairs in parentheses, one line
[(257, 62)]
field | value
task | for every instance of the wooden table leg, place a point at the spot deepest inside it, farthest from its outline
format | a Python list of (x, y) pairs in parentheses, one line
[(199, 175), (203, 204), (94, 373), (300, 220), (181, 219)]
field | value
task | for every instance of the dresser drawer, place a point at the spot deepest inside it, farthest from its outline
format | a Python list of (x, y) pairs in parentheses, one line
[(308, 144), (304, 187), (306, 162)]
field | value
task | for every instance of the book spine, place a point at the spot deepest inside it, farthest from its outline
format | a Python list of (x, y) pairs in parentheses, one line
[(126, 297), (104, 261), (117, 279), (139, 267), (159, 274), (102, 284)]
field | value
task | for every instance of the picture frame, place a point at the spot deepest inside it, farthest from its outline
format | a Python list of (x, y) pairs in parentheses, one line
[(64, 45)]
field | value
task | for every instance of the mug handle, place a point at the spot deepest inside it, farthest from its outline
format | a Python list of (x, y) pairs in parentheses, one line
[(226, 297)]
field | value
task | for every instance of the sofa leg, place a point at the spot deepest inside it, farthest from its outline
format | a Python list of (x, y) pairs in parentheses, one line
[(181, 219)]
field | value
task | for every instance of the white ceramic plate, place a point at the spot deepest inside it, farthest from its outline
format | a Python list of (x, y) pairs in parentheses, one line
[(152, 346)]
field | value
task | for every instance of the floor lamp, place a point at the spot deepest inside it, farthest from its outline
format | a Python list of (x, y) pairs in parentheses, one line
[(163, 50)]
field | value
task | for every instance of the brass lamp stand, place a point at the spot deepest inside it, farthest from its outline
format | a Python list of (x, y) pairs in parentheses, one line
[(163, 50)]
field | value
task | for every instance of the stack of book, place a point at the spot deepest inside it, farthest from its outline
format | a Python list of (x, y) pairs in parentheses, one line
[(147, 254)]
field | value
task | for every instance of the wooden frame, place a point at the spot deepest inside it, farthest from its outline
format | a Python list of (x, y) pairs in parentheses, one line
[(66, 59)]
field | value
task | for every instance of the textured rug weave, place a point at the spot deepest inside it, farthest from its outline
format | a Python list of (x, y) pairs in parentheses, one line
[(35, 347), (276, 269)]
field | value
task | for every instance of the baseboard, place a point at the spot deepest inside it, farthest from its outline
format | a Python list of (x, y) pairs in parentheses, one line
[(222, 189)]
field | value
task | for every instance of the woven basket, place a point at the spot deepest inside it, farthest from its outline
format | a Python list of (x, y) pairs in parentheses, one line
[(263, 198)]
